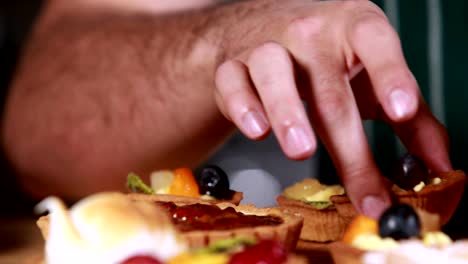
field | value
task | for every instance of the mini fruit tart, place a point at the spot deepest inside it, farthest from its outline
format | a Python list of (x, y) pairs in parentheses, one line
[(201, 223), (211, 184), (112, 228), (401, 235), (311, 199)]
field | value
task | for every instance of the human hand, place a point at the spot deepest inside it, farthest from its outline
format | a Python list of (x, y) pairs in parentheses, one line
[(345, 60)]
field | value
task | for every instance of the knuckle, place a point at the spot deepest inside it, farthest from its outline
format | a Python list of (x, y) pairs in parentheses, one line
[(225, 69), (265, 82), (232, 95), (393, 76), (362, 6), (371, 23), (333, 106), (285, 123), (357, 170), (269, 50), (281, 109), (306, 28), (357, 174), (236, 103)]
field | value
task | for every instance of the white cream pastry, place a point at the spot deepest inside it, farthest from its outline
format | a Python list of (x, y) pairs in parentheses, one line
[(107, 228), (416, 252)]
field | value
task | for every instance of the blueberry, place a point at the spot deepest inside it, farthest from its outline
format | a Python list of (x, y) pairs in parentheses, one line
[(409, 171), (213, 181), (399, 222)]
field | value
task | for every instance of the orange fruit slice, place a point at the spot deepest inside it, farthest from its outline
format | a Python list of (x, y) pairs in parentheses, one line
[(184, 183), (361, 224)]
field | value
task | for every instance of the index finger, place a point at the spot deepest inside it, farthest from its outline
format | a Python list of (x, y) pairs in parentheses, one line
[(337, 120)]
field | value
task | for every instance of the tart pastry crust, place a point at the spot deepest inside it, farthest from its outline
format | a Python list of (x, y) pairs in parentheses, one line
[(287, 232), (235, 199), (320, 225)]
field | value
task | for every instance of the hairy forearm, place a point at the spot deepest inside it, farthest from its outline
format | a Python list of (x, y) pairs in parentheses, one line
[(100, 94)]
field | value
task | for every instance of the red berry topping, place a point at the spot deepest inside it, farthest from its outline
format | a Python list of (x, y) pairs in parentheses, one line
[(264, 252), (141, 260)]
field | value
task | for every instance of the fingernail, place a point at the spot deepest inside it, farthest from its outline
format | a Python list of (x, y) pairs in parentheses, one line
[(254, 123), (298, 140), (401, 103), (373, 206)]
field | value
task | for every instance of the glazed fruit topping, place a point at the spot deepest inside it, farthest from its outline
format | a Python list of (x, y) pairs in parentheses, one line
[(314, 193), (184, 183), (360, 225), (210, 217), (264, 252), (235, 251), (141, 260), (229, 245), (136, 184), (409, 172), (213, 181), (400, 221)]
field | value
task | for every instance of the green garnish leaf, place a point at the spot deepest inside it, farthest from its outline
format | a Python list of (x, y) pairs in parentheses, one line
[(136, 184), (226, 245), (319, 204)]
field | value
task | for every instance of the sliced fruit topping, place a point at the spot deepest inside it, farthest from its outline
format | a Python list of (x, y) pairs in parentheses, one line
[(228, 245), (303, 189), (400, 221), (194, 258), (161, 181), (360, 225), (319, 204), (313, 192), (213, 181), (184, 183), (136, 184), (264, 252), (141, 260), (409, 171), (218, 252)]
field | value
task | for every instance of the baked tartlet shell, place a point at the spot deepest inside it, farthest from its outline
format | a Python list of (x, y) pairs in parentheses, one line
[(287, 232), (320, 225)]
